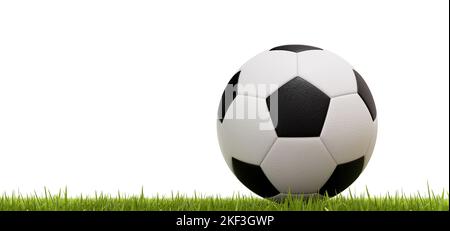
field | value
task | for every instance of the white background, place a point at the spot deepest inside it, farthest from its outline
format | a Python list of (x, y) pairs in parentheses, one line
[(115, 95)]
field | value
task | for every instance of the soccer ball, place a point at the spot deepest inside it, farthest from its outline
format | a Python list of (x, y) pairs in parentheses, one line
[(297, 120)]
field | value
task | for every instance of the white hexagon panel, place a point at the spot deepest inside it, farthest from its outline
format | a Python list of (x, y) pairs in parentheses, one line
[(267, 71), (327, 71), (298, 165), (242, 136), (348, 128)]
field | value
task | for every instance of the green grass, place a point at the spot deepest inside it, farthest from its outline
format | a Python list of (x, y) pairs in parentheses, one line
[(101, 202)]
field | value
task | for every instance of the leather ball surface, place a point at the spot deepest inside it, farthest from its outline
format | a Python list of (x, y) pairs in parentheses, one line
[(297, 119)]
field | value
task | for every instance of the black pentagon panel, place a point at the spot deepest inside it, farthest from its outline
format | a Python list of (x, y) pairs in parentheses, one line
[(366, 95), (343, 176), (254, 178), (228, 96), (295, 48), (298, 109)]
